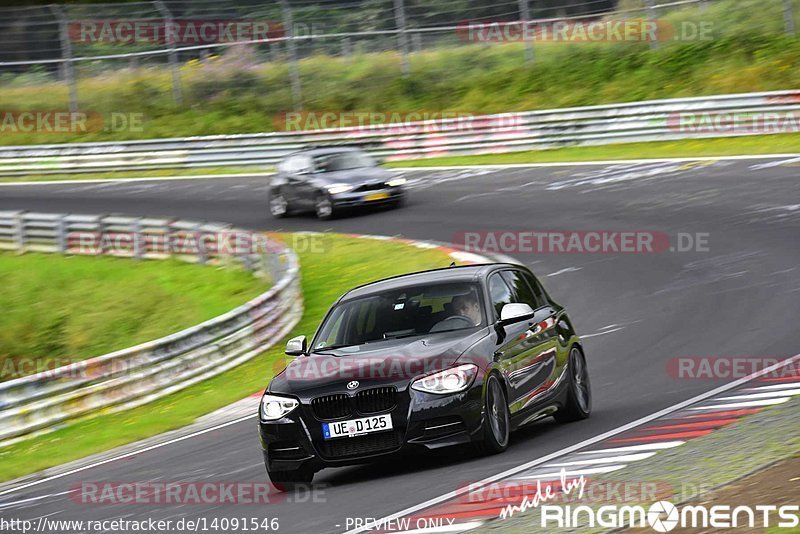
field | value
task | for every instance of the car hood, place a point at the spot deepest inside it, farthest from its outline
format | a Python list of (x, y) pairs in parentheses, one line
[(358, 176), (391, 362)]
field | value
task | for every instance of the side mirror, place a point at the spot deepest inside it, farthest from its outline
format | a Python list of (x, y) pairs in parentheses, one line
[(297, 346), (514, 313)]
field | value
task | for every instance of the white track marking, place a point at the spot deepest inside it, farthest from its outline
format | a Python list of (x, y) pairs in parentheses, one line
[(134, 180), (790, 385), (435, 168), (645, 447), (32, 499), (764, 395), (125, 455), (461, 527), (585, 443), (606, 460), (576, 473), (749, 404)]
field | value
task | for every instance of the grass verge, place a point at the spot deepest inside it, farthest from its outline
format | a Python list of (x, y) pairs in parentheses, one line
[(348, 262), (61, 309)]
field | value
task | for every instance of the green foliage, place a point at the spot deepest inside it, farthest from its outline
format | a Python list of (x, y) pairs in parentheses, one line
[(70, 308)]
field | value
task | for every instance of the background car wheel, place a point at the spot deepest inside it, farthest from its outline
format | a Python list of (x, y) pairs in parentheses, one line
[(323, 207), (497, 422), (278, 205), (290, 480), (579, 396)]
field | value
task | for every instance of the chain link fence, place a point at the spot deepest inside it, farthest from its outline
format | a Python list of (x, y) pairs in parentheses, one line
[(200, 48)]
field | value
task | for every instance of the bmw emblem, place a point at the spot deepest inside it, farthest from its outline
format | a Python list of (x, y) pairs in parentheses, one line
[(352, 385)]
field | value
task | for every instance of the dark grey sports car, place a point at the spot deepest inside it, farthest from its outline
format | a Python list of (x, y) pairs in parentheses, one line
[(327, 180), (432, 359)]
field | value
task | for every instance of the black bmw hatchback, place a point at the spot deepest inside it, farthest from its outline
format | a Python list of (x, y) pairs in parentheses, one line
[(433, 359), (328, 180)]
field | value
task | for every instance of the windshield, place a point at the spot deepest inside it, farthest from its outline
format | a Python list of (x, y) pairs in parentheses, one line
[(342, 161), (406, 312)]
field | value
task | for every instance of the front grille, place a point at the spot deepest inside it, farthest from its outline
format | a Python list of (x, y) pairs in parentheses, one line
[(370, 187), (376, 400), (360, 445), (332, 406), (369, 401)]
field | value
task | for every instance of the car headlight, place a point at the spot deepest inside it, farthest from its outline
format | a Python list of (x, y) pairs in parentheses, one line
[(396, 182), (335, 189), (274, 407), (448, 381)]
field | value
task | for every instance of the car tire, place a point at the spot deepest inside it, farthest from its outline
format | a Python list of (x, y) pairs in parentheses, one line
[(291, 480), (278, 205), (323, 207), (579, 394), (497, 420)]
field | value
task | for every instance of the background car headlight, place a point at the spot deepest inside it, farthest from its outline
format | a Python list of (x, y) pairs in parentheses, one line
[(448, 381), (335, 189), (274, 408), (396, 182)]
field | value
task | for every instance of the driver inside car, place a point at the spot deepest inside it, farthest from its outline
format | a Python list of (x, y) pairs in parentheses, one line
[(465, 313)]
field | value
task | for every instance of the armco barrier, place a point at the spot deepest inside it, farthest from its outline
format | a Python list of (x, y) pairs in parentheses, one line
[(655, 120), (143, 373)]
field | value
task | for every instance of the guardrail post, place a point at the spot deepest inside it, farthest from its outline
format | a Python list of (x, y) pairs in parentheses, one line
[(177, 89), (61, 234), (19, 231), (402, 36), (138, 239), (525, 15), (294, 69), (788, 16), (67, 66)]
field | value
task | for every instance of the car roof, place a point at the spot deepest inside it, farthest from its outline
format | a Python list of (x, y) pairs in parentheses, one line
[(463, 273)]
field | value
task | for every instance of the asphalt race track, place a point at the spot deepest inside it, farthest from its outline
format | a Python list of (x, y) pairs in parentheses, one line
[(741, 297)]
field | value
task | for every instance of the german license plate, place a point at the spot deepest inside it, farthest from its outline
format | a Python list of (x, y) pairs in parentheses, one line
[(376, 196), (357, 427)]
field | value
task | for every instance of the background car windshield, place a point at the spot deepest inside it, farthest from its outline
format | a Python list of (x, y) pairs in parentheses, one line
[(342, 161), (406, 312)]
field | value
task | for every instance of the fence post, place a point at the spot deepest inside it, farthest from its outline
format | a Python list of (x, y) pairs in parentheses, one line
[(788, 16), (402, 37), (68, 67), (61, 234), (651, 14), (138, 239), (19, 231), (177, 89), (525, 15), (294, 72)]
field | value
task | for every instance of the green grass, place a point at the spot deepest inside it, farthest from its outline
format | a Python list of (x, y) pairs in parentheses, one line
[(242, 92), (733, 146), (58, 309), (347, 262)]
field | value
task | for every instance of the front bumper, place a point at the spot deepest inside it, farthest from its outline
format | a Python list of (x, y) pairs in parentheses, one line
[(378, 197), (419, 420)]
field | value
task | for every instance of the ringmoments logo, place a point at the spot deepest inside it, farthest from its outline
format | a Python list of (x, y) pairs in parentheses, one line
[(663, 516)]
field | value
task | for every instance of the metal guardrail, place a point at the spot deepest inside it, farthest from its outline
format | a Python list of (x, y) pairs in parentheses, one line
[(140, 374), (657, 120)]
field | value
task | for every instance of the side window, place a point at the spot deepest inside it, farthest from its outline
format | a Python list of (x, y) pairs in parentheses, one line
[(522, 290), (499, 292), (537, 288)]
